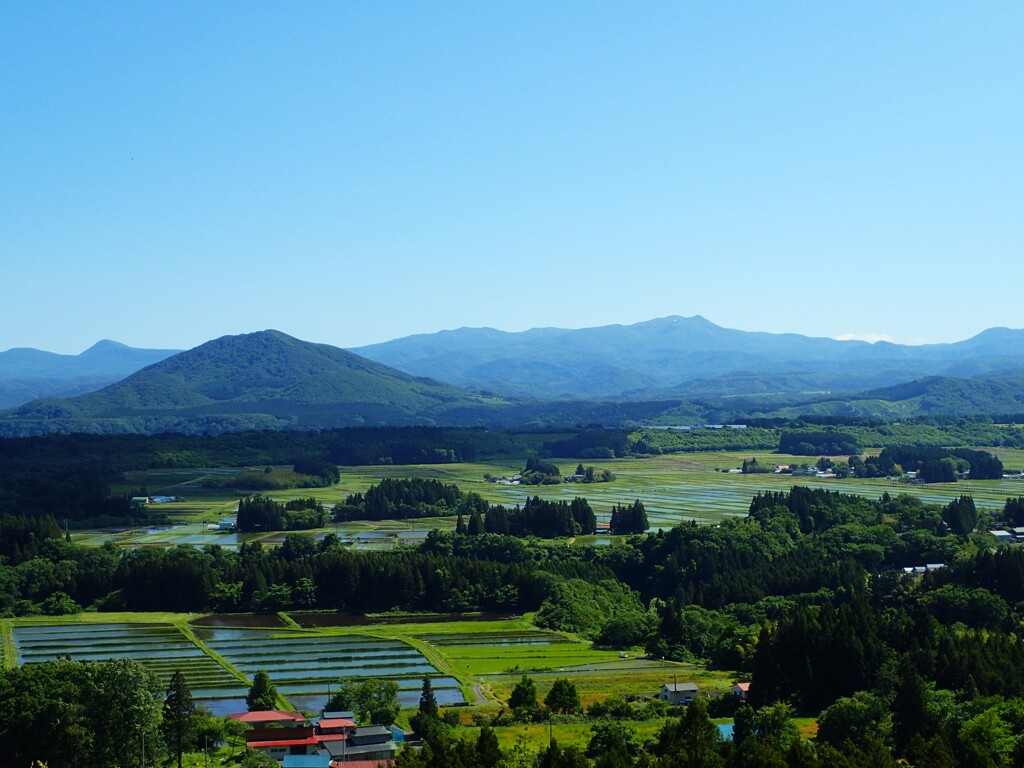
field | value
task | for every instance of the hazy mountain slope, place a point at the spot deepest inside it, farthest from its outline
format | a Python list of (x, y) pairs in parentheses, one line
[(931, 396), (27, 374)]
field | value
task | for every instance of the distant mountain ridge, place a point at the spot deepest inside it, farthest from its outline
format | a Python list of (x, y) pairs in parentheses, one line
[(667, 371), (264, 380), (669, 357), (27, 374)]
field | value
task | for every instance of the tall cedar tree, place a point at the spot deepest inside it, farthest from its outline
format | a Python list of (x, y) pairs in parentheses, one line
[(179, 710), (428, 702)]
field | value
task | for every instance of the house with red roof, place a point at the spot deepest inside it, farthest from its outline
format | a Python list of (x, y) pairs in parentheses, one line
[(333, 739)]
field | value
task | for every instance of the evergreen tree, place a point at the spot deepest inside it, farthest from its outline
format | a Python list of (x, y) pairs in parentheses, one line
[(908, 708), (961, 516), (428, 702), (178, 712), (262, 693), (488, 753)]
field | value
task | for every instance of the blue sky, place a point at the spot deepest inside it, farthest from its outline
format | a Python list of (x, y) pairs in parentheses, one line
[(353, 172)]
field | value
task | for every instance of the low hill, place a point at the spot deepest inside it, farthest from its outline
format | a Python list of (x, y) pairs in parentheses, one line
[(931, 396), (265, 380)]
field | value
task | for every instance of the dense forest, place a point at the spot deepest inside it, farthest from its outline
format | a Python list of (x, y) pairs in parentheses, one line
[(806, 595)]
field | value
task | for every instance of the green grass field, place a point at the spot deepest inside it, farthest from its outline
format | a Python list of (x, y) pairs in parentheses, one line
[(675, 489)]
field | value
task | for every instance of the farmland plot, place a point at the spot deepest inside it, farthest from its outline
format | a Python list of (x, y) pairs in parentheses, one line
[(304, 666), (161, 648), (500, 658)]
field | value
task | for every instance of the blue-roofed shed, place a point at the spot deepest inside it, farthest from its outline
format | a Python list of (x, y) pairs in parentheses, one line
[(306, 761)]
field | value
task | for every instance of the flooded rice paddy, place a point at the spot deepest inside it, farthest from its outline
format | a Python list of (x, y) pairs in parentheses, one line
[(303, 666)]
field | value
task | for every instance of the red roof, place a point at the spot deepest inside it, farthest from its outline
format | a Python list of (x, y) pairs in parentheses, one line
[(743, 686), (308, 741), (268, 716), (337, 722), (332, 736)]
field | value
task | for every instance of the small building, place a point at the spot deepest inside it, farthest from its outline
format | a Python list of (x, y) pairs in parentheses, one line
[(277, 733), (679, 693), (1004, 537), (342, 714), (306, 761), (741, 690), (276, 743), (140, 500), (921, 570), (371, 742)]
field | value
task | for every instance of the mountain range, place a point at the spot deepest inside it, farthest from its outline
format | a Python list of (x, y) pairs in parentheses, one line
[(683, 357), (670, 370)]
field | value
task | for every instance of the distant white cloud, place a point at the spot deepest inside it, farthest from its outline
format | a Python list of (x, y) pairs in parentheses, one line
[(869, 337)]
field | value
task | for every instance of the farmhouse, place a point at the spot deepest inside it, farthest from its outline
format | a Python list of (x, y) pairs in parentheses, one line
[(679, 693), (334, 739), (741, 690), (370, 742), (1004, 537)]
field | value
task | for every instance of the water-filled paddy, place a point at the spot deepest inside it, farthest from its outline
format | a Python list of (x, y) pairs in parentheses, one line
[(291, 657), (241, 620), (315, 619), (161, 648)]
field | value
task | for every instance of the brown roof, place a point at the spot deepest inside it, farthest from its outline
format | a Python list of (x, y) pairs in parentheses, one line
[(307, 742), (278, 734)]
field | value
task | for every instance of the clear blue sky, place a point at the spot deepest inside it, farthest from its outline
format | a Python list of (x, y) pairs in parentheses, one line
[(351, 172)]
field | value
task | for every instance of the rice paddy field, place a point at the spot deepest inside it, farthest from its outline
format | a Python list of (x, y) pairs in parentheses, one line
[(675, 489), (471, 661)]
